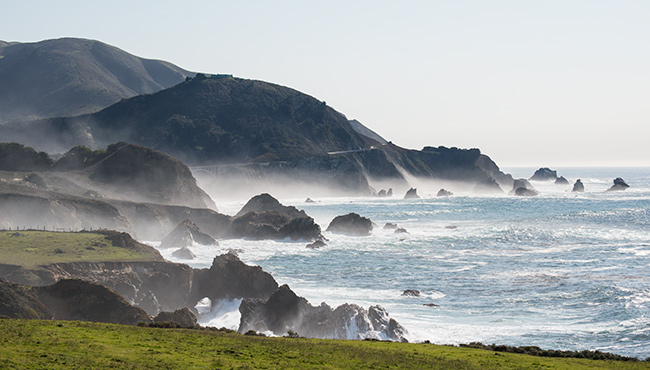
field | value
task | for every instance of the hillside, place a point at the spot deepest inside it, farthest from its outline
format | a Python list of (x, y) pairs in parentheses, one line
[(32, 344), (69, 76)]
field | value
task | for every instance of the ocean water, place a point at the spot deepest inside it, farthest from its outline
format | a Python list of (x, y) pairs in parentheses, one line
[(561, 270)]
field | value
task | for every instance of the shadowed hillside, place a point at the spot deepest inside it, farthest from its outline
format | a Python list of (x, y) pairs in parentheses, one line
[(69, 76)]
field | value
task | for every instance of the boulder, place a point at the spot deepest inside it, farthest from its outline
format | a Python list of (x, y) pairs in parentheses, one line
[(578, 186), (411, 293), (523, 192), (184, 235), (390, 226), (184, 253), (285, 311), (544, 174), (184, 317), (351, 224), (412, 193), (619, 184), (444, 193), (561, 181)]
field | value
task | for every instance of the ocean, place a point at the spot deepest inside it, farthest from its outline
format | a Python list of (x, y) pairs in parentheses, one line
[(561, 270)]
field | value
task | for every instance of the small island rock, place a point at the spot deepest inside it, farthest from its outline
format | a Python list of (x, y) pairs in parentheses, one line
[(412, 193), (561, 181), (619, 184), (544, 174), (523, 192), (578, 186), (351, 224), (411, 293), (444, 193)]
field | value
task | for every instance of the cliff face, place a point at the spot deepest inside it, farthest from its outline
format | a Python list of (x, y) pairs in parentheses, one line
[(157, 286)]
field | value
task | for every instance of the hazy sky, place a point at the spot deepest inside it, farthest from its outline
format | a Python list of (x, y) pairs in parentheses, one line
[(536, 83)]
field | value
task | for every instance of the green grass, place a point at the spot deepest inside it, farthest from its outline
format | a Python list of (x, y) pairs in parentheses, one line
[(47, 247), (33, 344)]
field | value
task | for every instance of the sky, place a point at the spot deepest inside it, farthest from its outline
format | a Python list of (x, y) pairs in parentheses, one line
[(530, 83)]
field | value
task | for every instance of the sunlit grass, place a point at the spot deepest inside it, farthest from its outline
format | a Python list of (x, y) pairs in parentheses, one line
[(29, 344)]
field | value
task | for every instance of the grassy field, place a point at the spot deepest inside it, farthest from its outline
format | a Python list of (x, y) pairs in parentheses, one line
[(32, 248), (33, 344)]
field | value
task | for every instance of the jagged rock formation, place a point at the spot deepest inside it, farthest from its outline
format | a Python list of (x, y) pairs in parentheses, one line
[(444, 193), (412, 193), (184, 317), (619, 184), (184, 236), (263, 217), (578, 186), (544, 174), (561, 181), (351, 224), (20, 302), (285, 311), (67, 76), (157, 286)]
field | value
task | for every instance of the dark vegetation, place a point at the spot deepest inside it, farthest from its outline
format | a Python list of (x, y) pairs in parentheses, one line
[(65, 77), (536, 351)]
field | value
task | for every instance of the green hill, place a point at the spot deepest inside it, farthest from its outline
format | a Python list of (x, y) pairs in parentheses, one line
[(29, 344)]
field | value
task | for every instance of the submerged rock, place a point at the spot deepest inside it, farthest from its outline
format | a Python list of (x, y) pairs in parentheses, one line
[(317, 244), (619, 184), (544, 174), (285, 311), (444, 193), (411, 293), (351, 224), (578, 186), (412, 193)]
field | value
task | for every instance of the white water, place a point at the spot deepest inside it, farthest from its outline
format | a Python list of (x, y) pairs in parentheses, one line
[(562, 270)]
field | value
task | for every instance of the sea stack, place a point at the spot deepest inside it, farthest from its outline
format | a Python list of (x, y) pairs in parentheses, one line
[(578, 186), (619, 184)]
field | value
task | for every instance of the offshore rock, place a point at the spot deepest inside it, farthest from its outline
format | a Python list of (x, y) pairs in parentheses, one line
[(285, 311), (521, 183), (381, 194), (184, 316), (317, 244), (619, 184), (389, 193), (351, 224), (578, 186), (412, 193), (184, 253), (523, 192), (411, 293), (544, 174), (444, 193), (185, 234), (263, 217), (561, 181), (390, 226)]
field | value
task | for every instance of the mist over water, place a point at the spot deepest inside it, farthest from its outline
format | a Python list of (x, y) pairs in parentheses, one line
[(561, 270)]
